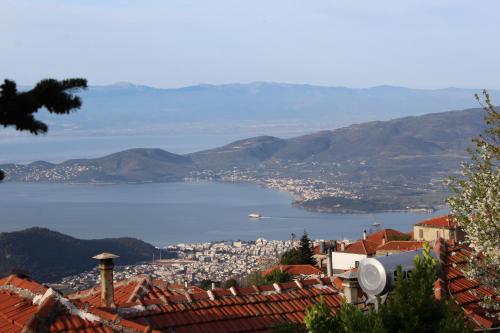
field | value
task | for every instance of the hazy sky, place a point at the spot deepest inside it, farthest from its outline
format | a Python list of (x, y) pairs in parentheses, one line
[(172, 43)]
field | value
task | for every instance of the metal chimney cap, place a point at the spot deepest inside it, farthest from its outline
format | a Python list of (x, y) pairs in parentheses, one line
[(105, 255)]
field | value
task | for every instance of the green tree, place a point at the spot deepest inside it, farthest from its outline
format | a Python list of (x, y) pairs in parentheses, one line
[(476, 203), (291, 257), (276, 276), (230, 283), (306, 251), (17, 108), (256, 278), (303, 255), (411, 307), (207, 284), (318, 319)]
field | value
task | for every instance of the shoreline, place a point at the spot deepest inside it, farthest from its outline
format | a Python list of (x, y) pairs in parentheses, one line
[(297, 200)]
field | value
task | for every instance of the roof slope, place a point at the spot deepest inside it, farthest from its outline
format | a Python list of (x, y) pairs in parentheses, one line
[(253, 309), (294, 270), (362, 247), (401, 246), (27, 306), (465, 292), (137, 289), (444, 221), (388, 235)]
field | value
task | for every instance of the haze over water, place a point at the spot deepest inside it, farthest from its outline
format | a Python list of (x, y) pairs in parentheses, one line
[(170, 213)]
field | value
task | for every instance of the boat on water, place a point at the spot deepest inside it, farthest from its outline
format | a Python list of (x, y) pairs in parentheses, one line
[(254, 215)]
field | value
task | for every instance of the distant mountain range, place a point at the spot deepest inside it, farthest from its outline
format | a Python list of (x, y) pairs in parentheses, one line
[(48, 255), (259, 107), (385, 145), (400, 159)]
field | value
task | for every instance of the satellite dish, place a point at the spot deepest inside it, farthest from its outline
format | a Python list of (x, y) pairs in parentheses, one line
[(378, 274)]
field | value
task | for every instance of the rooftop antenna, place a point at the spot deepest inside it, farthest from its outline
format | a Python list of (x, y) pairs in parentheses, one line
[(375, 226)]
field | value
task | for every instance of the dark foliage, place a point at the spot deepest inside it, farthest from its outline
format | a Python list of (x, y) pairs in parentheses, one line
[(230, 283), (303, 255), (277, 276), (207, 284), (48, 255), (288, 328), (17, 108)]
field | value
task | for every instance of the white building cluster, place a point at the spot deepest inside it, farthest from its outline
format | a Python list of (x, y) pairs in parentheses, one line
[(195, 262)]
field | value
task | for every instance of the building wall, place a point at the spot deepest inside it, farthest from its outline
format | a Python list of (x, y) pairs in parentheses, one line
[(421, 233), (343, 260)]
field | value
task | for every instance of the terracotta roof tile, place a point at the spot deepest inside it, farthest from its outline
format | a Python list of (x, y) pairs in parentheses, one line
[(444, 221), (362, 247), (388, 235), (294, 270), (248, 311), (401, 246), (465, 292)]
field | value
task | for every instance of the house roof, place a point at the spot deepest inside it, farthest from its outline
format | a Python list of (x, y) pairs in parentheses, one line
[(366, 247), (25, 306), (24, 302), (444, 221), (28, 306), (401, 246), (465, 292), (388, 235), (137, 289), (362, 247), (252, 309), (294, 270)]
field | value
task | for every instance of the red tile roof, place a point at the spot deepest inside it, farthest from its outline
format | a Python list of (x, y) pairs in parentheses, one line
[(367, 247), (444, 221), (249, 309), (465, 292), (27, 306), (135, 290), (252, 309), (362, 247), (387, 234), (294, 270), (401, 246)]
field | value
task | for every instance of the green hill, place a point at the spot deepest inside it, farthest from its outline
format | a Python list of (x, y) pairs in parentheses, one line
[(48, 255)]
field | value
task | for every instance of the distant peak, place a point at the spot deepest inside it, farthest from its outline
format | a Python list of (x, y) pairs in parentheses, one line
[(123, 84)]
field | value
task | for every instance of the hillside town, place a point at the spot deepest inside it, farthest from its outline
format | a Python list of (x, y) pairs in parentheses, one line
[(164, 296), (195, 262)]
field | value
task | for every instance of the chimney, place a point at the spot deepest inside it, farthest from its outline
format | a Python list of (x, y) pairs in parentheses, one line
[(185, 284), (322, 247), (364, 234), (342, 246), (106, 266), (329, 263), (350, 285), (383, 240), (213, 285)]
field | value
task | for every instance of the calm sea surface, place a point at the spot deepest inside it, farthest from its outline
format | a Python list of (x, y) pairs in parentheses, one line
[(171, 213)]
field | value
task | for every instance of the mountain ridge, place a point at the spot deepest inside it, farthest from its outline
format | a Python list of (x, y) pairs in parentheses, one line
[(410, 135), (48, 255), (402, 161), (135, 107)]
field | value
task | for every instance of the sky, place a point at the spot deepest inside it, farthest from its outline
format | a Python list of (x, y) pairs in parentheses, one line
[(175, 43)]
